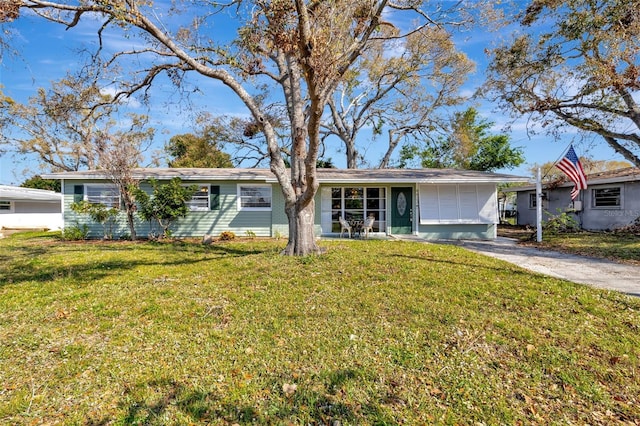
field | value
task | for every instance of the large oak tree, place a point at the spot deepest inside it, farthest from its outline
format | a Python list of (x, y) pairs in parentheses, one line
[(398, 89), (575, 63), (302, 48)]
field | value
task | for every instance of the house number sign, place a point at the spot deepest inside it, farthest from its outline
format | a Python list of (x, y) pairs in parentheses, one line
[(401, 204)]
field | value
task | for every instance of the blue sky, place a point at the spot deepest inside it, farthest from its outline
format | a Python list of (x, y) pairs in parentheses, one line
[(47, 52)]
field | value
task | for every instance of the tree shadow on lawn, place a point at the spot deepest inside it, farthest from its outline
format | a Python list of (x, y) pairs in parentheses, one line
[(205, 407), (25, 267)]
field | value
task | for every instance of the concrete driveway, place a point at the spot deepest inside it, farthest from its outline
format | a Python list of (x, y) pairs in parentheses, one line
[(598, 273)]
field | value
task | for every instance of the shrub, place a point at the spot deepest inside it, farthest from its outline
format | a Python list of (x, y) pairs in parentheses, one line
[(561, 223), (75, 233), (100, 213), (227, 236), (250, 233), (165, 205)]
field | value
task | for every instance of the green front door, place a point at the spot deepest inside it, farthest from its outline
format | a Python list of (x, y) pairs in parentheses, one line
[(402, 210)]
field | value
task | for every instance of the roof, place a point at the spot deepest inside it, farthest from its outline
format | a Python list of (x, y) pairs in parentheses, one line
[(627, 174), (27, 194), (324, 175)]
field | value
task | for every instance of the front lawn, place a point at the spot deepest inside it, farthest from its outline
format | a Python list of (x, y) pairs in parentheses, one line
[(373, 332), (623, 248)]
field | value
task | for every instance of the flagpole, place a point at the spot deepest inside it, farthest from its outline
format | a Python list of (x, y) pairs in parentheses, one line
[(539, 206)]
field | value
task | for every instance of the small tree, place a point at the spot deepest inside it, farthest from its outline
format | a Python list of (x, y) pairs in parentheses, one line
[(166, 204), (121, 155), (105, 216)]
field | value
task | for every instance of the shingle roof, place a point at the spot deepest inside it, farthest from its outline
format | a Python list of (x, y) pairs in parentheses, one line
[(324, 175), (627, 174)]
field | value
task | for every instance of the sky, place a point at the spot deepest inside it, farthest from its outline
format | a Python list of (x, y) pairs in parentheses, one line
[(46, 52)]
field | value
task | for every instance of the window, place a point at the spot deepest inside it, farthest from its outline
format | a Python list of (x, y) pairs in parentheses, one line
[(5, 206), (357, 203), (204, 199), (102, 194), (532, 200), (199, 200), (254, 197), (606, 197)]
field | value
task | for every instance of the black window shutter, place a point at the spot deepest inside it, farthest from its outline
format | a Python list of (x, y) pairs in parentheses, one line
[(214, 197), (78, 193)]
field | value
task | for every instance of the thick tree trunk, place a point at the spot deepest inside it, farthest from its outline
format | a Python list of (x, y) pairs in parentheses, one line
[(130, 209), (302, 239), (352, 154), (131, 224)]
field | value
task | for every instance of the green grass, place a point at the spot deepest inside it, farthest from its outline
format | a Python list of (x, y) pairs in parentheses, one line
[(620, 247), (372, 332)]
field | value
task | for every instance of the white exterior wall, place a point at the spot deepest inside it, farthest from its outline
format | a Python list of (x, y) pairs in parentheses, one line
[(31, 215)]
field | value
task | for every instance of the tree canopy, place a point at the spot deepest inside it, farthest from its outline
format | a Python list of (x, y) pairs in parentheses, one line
[(166, 204), (37, 182), (468, 145), (72, 126), (397, 91), (189, 150), (574, 63)]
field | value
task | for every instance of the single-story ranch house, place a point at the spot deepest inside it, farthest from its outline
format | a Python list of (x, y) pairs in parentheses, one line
[(430, 203), (611, 200), (26, 208)]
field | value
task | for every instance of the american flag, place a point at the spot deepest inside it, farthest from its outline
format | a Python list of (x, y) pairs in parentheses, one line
[(570, 166)]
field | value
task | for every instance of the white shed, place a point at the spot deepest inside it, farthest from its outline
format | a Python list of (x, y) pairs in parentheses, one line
[(26, 208)]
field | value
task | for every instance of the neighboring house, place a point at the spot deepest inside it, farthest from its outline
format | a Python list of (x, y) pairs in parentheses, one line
[(611, 200), (430, 203), (25, 208)]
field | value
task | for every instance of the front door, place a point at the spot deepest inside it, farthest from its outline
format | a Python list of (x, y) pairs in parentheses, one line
[(402, 210)]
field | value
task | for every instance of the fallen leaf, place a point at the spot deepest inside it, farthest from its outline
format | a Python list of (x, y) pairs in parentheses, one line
[(435, 391), (289, 389)]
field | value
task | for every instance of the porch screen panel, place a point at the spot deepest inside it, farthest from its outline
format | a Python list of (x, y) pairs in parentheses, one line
[(325, 209), (354, 203)]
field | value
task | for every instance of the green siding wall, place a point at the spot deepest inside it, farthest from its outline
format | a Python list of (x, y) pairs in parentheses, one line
[(96, 230), (280, 224), (227, 218), (196, 224), (262, 223)]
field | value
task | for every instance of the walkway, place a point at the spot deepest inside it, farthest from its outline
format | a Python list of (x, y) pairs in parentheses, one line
[(598, 273)]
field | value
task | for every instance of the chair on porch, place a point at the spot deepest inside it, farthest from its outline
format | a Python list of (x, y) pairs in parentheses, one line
[(367, 226), (344, 226)]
